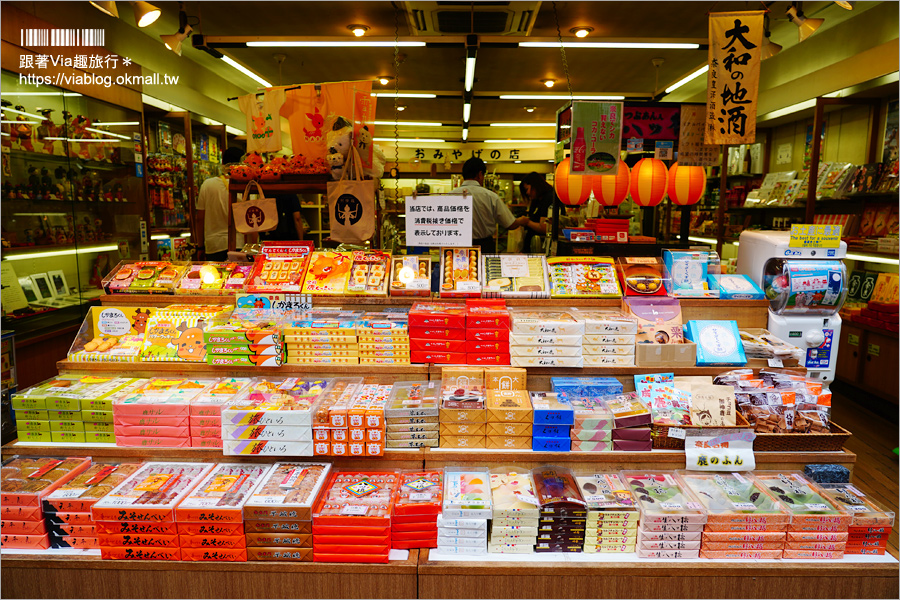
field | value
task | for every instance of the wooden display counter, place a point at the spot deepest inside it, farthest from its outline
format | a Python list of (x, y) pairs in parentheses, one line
[(30, 576), (655, 579)]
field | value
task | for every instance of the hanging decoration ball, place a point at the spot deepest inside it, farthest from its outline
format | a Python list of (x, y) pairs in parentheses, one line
[(648, 182), (686, 184), (611, 190), (572, 190)]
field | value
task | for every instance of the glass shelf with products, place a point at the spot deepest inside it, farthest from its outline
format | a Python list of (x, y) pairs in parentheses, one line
[(72, 198)]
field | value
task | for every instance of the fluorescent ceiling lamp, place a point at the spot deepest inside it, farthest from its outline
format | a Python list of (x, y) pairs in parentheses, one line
[(234, 130), (19, 112), (106, 7), (160, 104), (412, 123), (206, 121), (118, 135), (626, 45), (20, 122), (331, 44), (467, 110), (881, 260), (465, 133), (67, 94), (161, 236), (117, 123), (523, 124), (703, 240), (82, 141), (145, 13), (517, 161), (401, 95), (519, 141), (470, 73), (428, 140), (186, 234), (69, 252), (246, 71), (556, 97), (688, 79)]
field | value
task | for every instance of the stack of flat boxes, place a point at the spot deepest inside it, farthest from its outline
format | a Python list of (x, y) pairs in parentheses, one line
[(383, 338), (745, 521), (463, 522), (609, 337), (411, 415), (437, 333), (487, 332), (67, 510), (631, 422), (563, 512), (352, 519), (210, 520), (247, 338), (514, 526), (612, 518), (322, 337), (462, 416), (24, 485), (509, 420), (672, 518), (70, 409), (205, 420), (416, 509), (158, 413), (365, 421), (553, 420), (331, 423), (136, 520), (819, 526), (545, 338), (278, 514), (871, 525), (592, 427), (273, 416)]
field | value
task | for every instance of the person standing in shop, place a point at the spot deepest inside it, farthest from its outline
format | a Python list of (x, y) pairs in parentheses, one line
[(290, 223), (540, 196), (488, 211), (212, 211)]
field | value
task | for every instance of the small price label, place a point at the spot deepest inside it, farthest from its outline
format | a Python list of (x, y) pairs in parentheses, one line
[(420, 497), (858, 508), (66, 494), (468, 286), (670, 505), (677, 433), (776, 362), (744, 505), (355, 510), (817, 507), (694, 506), (418, 284)]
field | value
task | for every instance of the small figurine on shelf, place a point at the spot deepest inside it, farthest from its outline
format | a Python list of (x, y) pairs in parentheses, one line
[(70, 229), (98, 230), (120, 193), (34, 183), (60, 237), (87, 188), (79, 131), (47, 129), (29, 237), (47, 188), (23, 132)]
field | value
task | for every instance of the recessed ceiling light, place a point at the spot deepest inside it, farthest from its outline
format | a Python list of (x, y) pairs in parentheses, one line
[(358, 30), (529, 109), (581, 32), (548, 82), (517, 161), (385, 79), (401, 107)]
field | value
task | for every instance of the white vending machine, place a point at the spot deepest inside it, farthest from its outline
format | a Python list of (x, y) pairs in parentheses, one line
[(806, 288)]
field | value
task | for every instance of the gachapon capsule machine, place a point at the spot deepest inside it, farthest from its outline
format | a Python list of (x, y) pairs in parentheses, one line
[(806, 288)]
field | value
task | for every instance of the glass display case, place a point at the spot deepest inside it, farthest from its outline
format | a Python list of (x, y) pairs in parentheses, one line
[(73, 200)]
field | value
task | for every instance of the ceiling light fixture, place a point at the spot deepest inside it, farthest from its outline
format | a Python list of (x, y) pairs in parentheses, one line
[(145, 13), (116, 123), (173, 41), (401, 107), (410, 123), (424, 140), (160, 104), (467, 111), (848, 5), (523, 124), (805, 26), (470, 72), (358, 30), (517, 161), (234, 130), (68, 252), (557, 97), (401, 95), (519, 141), (465, 133), (548, 82), (385, 79), (581, 32), (623, 45), (769, 48), (330, 44), (246, 71), (688, 79), (106, 7), (19, 112), (118, 135), (4, 122), (529, 109)]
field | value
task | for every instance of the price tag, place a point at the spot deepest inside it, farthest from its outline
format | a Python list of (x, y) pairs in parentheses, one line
[(739, 477), (676, 433), (527, 498), (694, 506), (858, 508), (468, 286), (776, 362), (817, 507), (355, 510), (744, 505), (70, 493), (420, 497), (514, 266), (418, 284), (670, 505)]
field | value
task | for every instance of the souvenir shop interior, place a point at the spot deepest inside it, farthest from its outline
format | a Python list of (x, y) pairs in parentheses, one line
[(423, 299)]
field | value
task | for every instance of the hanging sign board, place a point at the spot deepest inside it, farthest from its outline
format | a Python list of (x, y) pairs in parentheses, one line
[(815, 236), (596, 137), (692, 152), (651, 121), (664, 150), (735, 40), (439, 221)]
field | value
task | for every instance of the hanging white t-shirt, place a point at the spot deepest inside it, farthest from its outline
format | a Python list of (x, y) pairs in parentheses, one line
[(263, 120), (213, 201)]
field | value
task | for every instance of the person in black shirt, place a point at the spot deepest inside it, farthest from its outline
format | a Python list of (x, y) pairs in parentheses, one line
[(540, 196), (290, 224)]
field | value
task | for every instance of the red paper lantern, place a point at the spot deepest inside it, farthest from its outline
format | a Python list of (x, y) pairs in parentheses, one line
[(648, 182), (572, 190), (686, 184), (611, 190)]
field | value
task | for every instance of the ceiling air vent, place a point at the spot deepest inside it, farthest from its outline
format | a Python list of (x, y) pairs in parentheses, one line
[(455, 18)]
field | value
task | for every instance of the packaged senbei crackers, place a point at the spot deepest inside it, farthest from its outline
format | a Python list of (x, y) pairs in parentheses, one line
[(220, 497), (369, 273), (81, 493), (280, 267), (357, 498), (26, 481), (460, 272), (287, 492), (152, 493), (419, 493)]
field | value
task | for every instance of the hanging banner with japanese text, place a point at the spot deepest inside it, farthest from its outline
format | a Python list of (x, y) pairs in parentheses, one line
[(651, 121), (437, 221), (735, 39), (692, 152), (597, 129)]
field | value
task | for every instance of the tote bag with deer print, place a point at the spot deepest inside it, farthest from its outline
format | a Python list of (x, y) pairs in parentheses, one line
[(351, 204), (255, 216)]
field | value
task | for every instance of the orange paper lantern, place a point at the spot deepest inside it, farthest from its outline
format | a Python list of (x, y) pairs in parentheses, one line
[(611, 190), (686, 184), (571, 189), (648, 182)]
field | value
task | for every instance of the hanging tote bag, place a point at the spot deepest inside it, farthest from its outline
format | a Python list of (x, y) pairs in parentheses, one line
[(351, 204), (255, 216)]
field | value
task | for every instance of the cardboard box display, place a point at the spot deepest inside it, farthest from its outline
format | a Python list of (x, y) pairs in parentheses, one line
[(571, 362), (508, 442), (508, 406), (508, 429), (665, 356)]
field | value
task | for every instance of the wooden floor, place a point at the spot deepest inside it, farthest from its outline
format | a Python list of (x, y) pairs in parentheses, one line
[(874, 439)]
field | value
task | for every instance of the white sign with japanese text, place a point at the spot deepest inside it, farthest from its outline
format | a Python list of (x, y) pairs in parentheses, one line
[(439, 221), (735, 40), (692, 152), (719, 449)]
